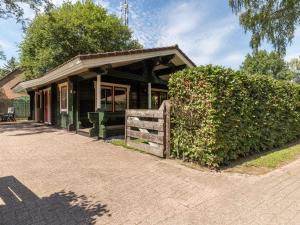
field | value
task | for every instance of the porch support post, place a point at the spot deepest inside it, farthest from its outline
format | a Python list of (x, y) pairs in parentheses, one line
[(149, 96), (31, 105), (98, 92), (36, 106)]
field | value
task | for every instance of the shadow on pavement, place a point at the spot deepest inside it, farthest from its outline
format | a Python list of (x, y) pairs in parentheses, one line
[(20, 206), (27, 128)]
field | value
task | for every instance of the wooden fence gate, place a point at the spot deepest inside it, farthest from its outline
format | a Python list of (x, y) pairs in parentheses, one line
[(149, 130)]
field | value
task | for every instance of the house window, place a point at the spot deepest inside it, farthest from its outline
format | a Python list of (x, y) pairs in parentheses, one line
[(63, 97), (157, 98), (120, 99), (113, 97), (106, 99)]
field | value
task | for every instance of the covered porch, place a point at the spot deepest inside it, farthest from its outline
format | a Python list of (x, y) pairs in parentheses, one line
[(90, 93), (103, 96)]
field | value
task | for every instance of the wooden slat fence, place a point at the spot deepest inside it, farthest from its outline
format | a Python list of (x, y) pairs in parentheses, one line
[(149, 130), (22, 106)]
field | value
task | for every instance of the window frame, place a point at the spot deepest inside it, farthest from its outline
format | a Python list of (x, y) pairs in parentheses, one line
[(112, 96), (126, 98), (159, 91), (113, 86), (62, 85)]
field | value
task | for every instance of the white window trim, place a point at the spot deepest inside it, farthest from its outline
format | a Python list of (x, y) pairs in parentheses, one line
[(60, 86), (48, 91), (113, 85)]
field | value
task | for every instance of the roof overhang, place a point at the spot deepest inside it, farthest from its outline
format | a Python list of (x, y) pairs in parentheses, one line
[(82, 63)]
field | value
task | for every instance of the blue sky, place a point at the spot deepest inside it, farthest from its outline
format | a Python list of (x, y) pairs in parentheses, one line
[(206, 30)]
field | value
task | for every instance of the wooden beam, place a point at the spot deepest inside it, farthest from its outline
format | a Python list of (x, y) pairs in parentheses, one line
[(125, 75), (164, 60), (151, 125), (147, 113), (101, 70), (148, 66), (146, 136), (158, 151), (157, 80), (147, 76), (167, 124), (169, 70)]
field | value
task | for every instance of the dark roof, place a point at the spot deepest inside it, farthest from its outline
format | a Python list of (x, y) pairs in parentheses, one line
[(132, 52), (123, 52)]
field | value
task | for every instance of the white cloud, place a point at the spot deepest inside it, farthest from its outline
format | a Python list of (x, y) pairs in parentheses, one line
[(28, 12), (294, 50), (104, 3), (190, 25), (233, 58), (60, 2), (8, 47), (6, 43), (145, 23)]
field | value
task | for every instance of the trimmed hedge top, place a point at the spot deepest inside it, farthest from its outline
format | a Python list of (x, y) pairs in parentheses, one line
[(219, 114)]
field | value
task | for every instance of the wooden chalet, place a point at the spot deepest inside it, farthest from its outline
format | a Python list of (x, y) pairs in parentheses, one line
[(93, 91)]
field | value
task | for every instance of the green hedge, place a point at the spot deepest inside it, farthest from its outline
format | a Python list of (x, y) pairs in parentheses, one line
[(219, 115)]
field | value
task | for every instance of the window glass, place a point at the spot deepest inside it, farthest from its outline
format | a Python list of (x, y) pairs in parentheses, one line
[(163, 96), (154, 100), (120, 97), (106, 98), (63, 97), (157, 98)]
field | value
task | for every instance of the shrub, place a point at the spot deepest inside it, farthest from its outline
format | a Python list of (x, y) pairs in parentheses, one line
[(219, 114)]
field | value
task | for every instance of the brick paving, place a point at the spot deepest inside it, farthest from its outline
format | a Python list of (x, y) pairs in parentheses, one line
[(50, 176)]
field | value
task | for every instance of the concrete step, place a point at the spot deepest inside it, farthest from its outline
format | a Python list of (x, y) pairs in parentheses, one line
[(84, 132)]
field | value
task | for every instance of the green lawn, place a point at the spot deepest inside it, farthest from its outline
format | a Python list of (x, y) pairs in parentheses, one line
[(121, 142), (255, 164), (267, 161), (118, 142)]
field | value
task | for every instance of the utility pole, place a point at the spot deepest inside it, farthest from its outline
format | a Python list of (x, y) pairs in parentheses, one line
[(125, 12)]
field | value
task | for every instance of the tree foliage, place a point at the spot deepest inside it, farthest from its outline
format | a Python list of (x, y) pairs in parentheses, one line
[(295, 67), (72, 29), (2, 55), (270, 64), (9, 66), (15, 8), (273, 20), (221, 114), (295, 63)]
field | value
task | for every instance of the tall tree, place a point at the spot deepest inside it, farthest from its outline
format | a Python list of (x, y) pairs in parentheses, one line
[(2, 56), (271, 20), (295, 67), (15, 8), (295, 63), (72, 29), (270, 64), (9, 66)]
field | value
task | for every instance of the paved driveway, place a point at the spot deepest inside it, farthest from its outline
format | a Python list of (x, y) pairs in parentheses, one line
[(49, 176)]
